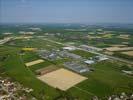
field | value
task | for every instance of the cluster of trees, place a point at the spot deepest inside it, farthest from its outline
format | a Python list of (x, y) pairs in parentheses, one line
[(3, 58), (118, 54), (125, 67)]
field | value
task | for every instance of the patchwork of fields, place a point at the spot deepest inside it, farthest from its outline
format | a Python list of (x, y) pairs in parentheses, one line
[(62, 79), (107, 78), (129, 53)]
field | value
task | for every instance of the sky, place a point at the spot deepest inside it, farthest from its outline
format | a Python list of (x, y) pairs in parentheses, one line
[(66, 11)]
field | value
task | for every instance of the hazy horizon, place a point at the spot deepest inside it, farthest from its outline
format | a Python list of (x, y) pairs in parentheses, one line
[(66, 11)]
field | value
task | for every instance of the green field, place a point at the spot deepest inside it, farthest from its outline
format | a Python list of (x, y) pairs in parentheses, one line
[(36, 43), (15, 68), (105, 80), (83, 53)]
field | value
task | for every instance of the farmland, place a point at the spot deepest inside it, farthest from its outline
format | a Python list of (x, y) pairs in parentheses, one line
[(83, 53), (104, 79), (62, 79), (130, 53)]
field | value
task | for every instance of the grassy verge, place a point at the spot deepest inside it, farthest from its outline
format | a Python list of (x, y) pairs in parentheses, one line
[(83, 53)]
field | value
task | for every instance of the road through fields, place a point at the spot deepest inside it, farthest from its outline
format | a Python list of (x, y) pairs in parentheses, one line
[(111, 57)]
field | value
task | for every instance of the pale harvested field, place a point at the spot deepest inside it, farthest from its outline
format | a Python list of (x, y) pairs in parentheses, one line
[(124, 36), (129, 53), (119, 48), (34, 62), (109, 52), (62, 79), (109, 35)]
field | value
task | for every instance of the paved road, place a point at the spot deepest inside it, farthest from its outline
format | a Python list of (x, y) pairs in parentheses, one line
[(120, 59), (111, 57)]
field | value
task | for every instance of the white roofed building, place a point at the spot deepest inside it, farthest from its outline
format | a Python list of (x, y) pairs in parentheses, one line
[(69, 48), (89, 61)]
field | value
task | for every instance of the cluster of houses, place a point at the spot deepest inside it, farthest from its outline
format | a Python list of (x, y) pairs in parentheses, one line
[(13, 90), (122, 96)]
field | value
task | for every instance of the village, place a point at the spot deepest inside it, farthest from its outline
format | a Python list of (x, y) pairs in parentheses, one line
[(10, 90)]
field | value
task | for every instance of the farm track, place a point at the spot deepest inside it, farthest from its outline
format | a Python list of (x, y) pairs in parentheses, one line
[(84, 91)]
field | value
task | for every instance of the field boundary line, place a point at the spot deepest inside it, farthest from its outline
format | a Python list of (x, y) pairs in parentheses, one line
[(84, 91)]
